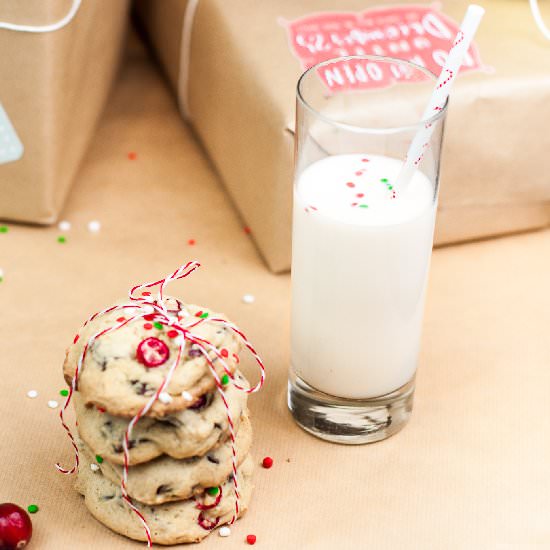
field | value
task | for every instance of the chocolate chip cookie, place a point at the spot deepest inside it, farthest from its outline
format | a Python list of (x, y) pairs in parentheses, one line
[(122, 369), (170, 523), (191, 432), (165, 479)]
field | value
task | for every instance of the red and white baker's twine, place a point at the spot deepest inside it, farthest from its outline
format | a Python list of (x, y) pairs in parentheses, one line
[(146, 305)]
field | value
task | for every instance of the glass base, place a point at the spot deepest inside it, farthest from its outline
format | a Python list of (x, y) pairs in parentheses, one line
[(349, 421)]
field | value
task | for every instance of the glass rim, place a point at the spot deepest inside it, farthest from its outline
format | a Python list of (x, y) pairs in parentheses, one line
[(364, 129)]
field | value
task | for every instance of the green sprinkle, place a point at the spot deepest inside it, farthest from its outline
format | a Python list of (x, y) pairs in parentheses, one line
[(61, 239), (384, 180), (204, 315), (363, 206), (4, 229), (225, 379), (390, 187), (32, 508), (1, 279), (64, 393), (99, 459), (213, 491), (158, 325)]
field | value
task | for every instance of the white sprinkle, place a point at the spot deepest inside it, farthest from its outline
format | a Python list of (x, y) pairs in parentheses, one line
[(1, 272), (165, 397), (53, 404), (187, 396), (94, 467), (94, 226), (224, 531), (64, 225), (248, 299), (32, 394)]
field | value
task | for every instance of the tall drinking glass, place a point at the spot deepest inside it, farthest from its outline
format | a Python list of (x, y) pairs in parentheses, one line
[(361, 246)]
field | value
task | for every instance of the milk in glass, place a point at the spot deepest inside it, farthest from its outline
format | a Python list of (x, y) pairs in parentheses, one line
[(361, 254)]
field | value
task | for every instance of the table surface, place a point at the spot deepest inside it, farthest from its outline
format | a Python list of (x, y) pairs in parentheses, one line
[(470, 471)]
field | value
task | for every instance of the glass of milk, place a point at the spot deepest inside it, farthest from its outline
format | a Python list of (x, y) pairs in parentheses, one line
[(361, 246)]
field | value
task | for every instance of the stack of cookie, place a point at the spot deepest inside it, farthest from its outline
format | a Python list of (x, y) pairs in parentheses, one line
[(180, 474)]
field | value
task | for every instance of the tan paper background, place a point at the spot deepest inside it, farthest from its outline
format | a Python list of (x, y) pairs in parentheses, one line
[(469, 472), (495, 168), (54, 87)]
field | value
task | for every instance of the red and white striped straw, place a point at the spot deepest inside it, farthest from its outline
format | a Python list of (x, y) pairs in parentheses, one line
[(421, 140)]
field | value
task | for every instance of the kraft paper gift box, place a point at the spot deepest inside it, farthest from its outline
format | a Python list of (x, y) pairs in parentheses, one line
[(53, 87), (234, 66)]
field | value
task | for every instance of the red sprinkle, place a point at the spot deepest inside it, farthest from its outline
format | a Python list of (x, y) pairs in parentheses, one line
[(147, 326), (365, 160), (251, 539), (146, 293), (76, 339), (267, 462), (360, 195), (191, 242), (120, 319), (236, 357), (224, 353), (199, 313), (247, 230), (132, 155), (100, 409), (354, 204), (350, 184), (359, 173), (172, 333), (149, 317)]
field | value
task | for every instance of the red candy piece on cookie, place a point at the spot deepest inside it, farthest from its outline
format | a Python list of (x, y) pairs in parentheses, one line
[(251, 539), (15, 527), (152, 352)]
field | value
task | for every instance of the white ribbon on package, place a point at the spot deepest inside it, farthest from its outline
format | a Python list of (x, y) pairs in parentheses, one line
[(44, 28), (185, 57), (538, 18)]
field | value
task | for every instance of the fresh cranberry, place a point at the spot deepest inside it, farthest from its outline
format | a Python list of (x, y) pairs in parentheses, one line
[(152, 352), (15, 527)]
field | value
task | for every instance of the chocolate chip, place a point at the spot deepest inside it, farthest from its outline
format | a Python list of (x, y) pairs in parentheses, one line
[(194, 352), (107, 497), (142, 388), (163, 489), (199, 403), (212, 459), (170, 421), (217, 426)]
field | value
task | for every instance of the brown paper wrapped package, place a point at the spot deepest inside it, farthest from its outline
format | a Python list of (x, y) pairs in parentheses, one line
[(54, 86), (470, 470), (241, 82)]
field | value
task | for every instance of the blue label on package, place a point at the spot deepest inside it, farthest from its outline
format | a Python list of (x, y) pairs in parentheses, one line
[(11, 147)]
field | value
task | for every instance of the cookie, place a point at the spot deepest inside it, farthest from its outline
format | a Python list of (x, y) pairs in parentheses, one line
[(191, 432), (124, 368), (165, 479), (170, 523)]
